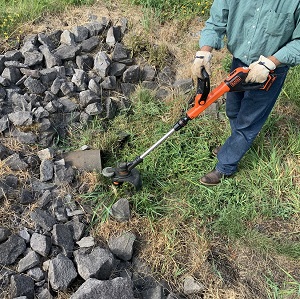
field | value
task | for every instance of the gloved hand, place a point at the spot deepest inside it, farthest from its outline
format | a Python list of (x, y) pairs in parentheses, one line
[(202, 60), (259, 70)]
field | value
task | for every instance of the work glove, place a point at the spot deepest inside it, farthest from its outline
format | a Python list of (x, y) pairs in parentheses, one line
[(202, 60), (259, 70)]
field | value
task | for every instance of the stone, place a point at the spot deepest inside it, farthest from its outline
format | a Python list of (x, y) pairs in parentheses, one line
[(62, 237), (98, 263), (191, 286), (122, 246), (30, 260), (43, 219), (11, 249), (46, 170), (120, 210), (4, 234), (86, 242), (22, 285), (41, 244), (110, 289), (61, 273)]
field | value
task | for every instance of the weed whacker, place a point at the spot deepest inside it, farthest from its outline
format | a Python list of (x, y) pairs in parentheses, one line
[(235, 81)]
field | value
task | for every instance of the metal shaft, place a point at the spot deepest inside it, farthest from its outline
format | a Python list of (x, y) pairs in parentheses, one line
[(161, 140)]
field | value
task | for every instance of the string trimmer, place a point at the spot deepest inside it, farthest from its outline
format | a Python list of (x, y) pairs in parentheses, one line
[(235, 81)]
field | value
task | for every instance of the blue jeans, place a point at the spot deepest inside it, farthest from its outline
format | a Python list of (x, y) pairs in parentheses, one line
[(247, 112)]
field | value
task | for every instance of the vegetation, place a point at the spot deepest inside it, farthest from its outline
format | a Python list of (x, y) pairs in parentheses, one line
[(15, 13), (256, 210)]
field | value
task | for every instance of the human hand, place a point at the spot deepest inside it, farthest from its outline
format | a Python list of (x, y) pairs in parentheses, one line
[(202, 60), (259, 70)]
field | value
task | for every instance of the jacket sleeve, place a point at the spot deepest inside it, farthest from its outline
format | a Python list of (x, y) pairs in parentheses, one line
[(215, 27), (290, 53)]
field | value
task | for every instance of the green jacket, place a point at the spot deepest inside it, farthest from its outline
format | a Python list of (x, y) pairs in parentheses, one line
[(254, 28)]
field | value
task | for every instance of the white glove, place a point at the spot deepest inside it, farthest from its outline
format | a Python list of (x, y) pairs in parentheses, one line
[(259, 70), (202, 60)]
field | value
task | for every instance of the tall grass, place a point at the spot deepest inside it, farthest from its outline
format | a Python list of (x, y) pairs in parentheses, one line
[(14, 13), (171, 9)]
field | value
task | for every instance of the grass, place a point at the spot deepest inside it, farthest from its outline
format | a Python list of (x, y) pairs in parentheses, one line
[(15, 13)]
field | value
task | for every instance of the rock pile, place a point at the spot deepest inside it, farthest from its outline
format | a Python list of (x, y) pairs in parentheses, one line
[(54, 80)]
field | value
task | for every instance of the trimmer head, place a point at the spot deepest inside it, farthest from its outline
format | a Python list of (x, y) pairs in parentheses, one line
[(122, 173)]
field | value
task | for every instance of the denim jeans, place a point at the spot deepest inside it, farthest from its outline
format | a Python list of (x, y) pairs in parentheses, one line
[(247, 112)]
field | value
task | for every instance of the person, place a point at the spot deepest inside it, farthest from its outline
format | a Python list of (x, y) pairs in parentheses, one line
[(264, 36)]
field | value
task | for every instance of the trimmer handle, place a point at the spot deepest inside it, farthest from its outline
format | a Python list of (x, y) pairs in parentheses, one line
[(236, 81), (203, 86)]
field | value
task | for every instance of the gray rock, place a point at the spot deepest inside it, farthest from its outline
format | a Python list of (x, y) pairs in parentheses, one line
[(90, 44), (51, 60), (132, 74), (121, 54), (68, 38), (113, 35), (102, 63), (78, 228), (93, 109), (111, 108), (14, 162), (95, 28), (109, 82), (22, 285), (4, 121), (48, 75), (67, 88), (156, 292), (34, 86), (33, 58), (85, 62), (62, 237), (4, 234), (46, 170), (43, 219), (30, 260), (122, 246), (36, 273), (148, 73), (191, 286), (67, 104), (11, 249), (94, 86), (117, 69), (44, 294), (67, 52), (63, 175), (81, 33), (24, 137), (87, 97), (111, 289), (86, 242), (12, 74), (61, 272), (26, 197), (23, 233), (121, 210), (46, 41), (21, 118), (41, 244), (98, 263), (13, 55), (184, 85)]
